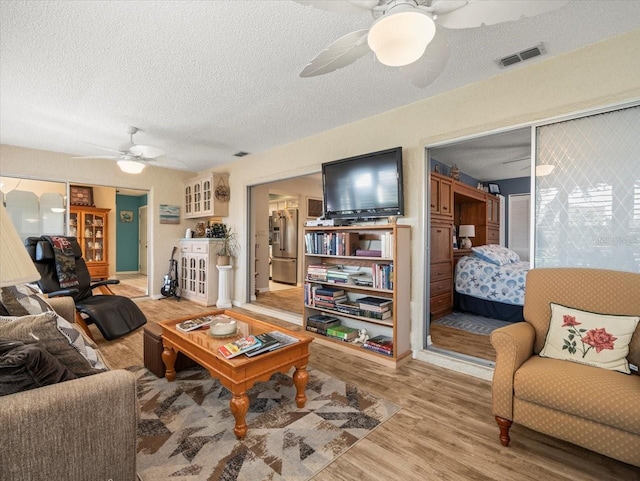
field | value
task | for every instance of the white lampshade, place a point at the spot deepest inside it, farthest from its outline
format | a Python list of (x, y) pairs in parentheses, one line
[(467, 231), (401, 36), (16, 267), (130, 166)]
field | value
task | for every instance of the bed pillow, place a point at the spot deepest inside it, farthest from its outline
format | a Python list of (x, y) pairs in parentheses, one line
[(496, 254), (28, 366), (600, 340), (58, 337)]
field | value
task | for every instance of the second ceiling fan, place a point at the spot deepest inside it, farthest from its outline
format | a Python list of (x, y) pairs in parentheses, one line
[(133, 158)]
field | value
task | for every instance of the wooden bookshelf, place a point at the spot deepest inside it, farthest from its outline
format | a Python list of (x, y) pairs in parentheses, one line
[(340, 248)]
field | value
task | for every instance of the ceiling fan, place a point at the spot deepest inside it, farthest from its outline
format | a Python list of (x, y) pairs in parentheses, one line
[(408, 33), (133, 158)]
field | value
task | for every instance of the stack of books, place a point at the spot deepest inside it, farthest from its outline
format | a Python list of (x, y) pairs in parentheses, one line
[(342, 333), (327, 296), (379, 344), (342, 276), (320, 323), (348, 307), (375, 307), (318, 272), (258, 344)]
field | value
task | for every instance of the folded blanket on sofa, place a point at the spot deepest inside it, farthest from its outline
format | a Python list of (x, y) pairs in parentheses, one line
[(65, 260)]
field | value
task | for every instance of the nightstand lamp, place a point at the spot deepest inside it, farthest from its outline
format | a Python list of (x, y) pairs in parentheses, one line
[(16, 267), (466, 231)]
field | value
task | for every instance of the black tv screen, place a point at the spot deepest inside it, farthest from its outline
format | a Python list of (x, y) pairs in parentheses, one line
[(365, 186)]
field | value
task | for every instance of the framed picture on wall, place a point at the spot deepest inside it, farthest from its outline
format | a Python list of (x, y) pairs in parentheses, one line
[(126, 216), (169, 214), (314, 207), (494, 188), (81, 195)]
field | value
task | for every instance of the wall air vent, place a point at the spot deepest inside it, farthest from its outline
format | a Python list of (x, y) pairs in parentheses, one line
[(242, 153), (522, 56)]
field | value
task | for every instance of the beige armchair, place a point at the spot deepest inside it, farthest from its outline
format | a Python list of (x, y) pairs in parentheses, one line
[(592, 407)]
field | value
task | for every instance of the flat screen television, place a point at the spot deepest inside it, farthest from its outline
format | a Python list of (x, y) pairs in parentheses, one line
[(365, 186)]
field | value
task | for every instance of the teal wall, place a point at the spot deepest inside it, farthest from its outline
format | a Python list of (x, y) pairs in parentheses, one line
[(127, 232)]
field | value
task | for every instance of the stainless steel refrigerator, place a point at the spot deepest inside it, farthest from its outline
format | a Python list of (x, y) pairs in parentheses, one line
[(284, 246)]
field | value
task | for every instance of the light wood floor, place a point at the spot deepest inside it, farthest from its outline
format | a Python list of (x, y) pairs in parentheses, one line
[(463, 342), (445, 430)]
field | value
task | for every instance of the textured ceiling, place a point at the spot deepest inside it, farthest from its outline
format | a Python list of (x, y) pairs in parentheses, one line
[(205, 79)]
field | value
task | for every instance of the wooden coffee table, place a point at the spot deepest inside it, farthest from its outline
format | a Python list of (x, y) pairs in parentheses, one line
[(240, 373)]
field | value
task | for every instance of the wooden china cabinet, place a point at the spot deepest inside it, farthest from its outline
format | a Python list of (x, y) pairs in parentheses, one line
[(90, 226)]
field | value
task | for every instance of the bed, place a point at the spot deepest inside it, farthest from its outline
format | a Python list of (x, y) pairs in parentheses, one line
[(491, 283)]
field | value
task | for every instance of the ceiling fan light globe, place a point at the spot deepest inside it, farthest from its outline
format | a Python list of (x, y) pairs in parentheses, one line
[(401, 36), (130, 166)]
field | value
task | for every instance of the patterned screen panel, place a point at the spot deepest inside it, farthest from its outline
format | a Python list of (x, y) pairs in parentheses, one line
[(587, 209)]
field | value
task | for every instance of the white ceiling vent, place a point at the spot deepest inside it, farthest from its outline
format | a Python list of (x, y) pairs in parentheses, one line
[(522, 56)]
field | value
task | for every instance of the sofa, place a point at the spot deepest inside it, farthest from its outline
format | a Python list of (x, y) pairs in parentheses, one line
[(81, 429), (556, 394)]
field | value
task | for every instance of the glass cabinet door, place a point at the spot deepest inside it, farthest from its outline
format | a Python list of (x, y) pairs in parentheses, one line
[(73, 224), (93, 237)]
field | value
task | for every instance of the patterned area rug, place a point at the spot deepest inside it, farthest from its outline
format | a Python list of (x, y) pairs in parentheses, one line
[(186, 427), (471, 323)]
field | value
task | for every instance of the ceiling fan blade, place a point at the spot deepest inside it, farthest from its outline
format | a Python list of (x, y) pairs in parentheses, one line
[(106, 148), (428, 67), (340, 53), (97, 157), (344, 6), (146, 151), (442, 7), (491, 12)]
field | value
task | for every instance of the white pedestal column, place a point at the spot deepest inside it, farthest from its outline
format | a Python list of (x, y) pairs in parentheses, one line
[(225, 283)]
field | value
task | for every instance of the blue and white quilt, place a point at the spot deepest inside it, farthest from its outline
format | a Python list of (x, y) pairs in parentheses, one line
[(481, 279)]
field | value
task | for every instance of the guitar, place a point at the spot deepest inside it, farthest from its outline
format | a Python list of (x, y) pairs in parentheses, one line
[(170, 288)]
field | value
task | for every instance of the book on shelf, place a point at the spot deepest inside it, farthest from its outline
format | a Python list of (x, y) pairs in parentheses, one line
[(317, 330), (372, 348), (376, 315), (322, 321), (380, 342), (348, 307), (373, 302), (196, 323), (342, 332), (386, 244), (239, 346), (329, 291), (269, 343)]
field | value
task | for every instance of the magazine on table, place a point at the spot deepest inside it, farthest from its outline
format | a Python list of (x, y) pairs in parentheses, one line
[(239, 346), (269, 343), (283, 339), (197, 323)]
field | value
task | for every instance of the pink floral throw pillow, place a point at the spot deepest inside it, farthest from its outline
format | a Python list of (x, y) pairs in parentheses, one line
[(600, 340)]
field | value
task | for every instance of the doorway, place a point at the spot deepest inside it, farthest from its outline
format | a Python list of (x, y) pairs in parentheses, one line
[(289, 197), (457, 319)]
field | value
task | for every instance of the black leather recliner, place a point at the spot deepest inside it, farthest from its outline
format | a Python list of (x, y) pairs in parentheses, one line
[(114, 315)]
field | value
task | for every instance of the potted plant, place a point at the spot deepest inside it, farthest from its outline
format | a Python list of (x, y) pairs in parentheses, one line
[(228, 247)]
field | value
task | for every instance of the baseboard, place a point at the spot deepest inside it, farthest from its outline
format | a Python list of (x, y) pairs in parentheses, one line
[(455, 364), (128, 273)]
